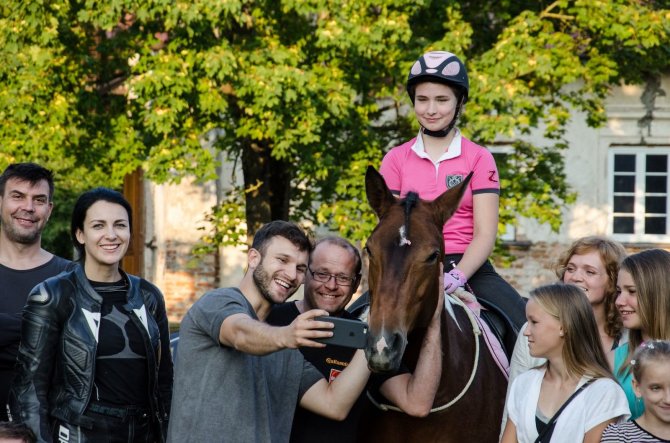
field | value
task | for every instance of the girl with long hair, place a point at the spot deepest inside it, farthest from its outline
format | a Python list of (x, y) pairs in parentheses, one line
[(573, 396), (644, 303), (592, 264)]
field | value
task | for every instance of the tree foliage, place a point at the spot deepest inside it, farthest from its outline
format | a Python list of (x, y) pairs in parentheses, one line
[(305, 94)]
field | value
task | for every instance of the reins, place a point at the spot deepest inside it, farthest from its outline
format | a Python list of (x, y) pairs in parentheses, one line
[(476, 330)]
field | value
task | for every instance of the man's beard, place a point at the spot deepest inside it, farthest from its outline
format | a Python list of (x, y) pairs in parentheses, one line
[(24, 238), (263, 280)]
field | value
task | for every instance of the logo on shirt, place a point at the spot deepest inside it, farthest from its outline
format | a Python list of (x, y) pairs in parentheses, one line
[(333, 374), (492, 176), (453, 180)]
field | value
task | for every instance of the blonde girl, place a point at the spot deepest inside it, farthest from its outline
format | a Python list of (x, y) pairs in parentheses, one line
[(573, 396)]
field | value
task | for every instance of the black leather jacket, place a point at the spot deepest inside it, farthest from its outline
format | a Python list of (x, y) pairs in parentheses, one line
[(56, 361)]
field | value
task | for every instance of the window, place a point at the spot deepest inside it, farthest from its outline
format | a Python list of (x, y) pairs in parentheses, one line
[(639, 194)]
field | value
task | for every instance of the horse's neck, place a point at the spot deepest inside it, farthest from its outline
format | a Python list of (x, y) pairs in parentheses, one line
[(457, 349)]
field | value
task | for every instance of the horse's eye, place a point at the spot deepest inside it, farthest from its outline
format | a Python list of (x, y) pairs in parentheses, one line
[(432, 258)]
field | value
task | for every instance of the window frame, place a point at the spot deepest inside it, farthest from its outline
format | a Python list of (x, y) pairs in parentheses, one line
[(639, 204)]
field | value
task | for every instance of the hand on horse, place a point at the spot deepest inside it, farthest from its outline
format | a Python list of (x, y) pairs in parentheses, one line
[(454, 279), (304, 329)]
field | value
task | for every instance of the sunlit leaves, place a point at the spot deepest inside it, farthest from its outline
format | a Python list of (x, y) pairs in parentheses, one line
[(96, 89)]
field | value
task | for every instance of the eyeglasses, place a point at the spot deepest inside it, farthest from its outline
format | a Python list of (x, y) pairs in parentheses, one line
[(324, 277)]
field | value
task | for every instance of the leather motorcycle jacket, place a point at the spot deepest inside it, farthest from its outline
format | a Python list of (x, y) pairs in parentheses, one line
[(56, 361)]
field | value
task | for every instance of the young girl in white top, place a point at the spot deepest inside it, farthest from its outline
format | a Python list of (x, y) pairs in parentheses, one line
[(651, 383), (541, 406)]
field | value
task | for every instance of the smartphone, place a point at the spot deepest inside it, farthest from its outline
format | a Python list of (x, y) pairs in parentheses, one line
[(347, 333)]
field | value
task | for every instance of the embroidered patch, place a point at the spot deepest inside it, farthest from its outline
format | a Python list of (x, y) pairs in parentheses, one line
[(453, 180)]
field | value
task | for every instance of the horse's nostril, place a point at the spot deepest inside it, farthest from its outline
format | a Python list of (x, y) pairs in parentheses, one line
[(384, 351)]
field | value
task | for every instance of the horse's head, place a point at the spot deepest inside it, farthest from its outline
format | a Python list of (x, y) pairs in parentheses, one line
[(405, 251)]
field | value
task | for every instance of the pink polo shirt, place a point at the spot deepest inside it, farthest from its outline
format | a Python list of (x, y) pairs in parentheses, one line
[(408, 168)]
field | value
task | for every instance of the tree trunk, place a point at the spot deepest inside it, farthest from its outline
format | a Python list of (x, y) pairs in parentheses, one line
[(268, 184)]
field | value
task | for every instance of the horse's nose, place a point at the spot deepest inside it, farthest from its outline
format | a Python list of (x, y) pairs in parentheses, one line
[(384, 350)]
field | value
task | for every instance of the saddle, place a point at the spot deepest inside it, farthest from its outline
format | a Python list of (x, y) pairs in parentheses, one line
[(501, 325)]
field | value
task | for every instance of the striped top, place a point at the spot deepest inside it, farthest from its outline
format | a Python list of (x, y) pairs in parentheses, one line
[(627, 432)]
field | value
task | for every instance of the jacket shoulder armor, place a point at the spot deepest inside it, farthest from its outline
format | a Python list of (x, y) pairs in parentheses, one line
[(39, 295)]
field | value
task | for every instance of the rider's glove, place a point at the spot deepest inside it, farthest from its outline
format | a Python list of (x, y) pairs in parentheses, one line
[(453, 280)]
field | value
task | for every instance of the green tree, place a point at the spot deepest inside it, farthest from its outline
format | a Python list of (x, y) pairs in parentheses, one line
[(304, 94), (530, 65)]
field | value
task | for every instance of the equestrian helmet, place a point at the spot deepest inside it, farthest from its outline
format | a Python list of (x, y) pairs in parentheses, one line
[(440, 67)]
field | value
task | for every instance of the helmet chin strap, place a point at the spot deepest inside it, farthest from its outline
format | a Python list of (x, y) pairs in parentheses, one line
[(440, 133)]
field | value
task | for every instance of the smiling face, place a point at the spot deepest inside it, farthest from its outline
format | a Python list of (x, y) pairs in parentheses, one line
[(654, 388), (587, 272), (544, 331), (279, 271), (331, 259), (435, 105), (626, 301), (25, 209), (105, 236)]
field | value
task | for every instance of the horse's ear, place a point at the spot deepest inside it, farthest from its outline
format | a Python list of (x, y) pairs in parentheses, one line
[(446, 204), (379, 196)]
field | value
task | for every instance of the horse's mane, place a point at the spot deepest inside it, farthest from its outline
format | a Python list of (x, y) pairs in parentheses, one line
[(408, 203)]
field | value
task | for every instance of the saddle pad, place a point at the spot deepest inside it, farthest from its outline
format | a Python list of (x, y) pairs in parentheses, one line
[(492, 343)]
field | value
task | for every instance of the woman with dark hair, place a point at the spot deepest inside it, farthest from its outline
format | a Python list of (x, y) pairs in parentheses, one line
[(94, 361)]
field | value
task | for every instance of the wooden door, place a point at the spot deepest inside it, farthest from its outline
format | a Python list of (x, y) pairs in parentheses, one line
[(133, 190)]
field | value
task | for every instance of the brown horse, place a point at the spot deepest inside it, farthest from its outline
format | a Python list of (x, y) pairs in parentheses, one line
[(405, 251)]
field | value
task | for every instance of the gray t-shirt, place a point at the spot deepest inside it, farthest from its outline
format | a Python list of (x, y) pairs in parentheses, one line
[(224, 395)]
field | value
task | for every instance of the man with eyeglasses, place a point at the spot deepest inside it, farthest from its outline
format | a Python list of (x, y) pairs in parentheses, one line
[(332, 278)]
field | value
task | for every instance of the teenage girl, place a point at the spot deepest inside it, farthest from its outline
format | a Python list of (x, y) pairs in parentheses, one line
[(573, 396), (644, 303), (651, 383), (439, 158), (592, 264)]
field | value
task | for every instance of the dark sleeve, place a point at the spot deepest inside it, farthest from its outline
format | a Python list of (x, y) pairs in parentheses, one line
[(40, 332), (282, 314)]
